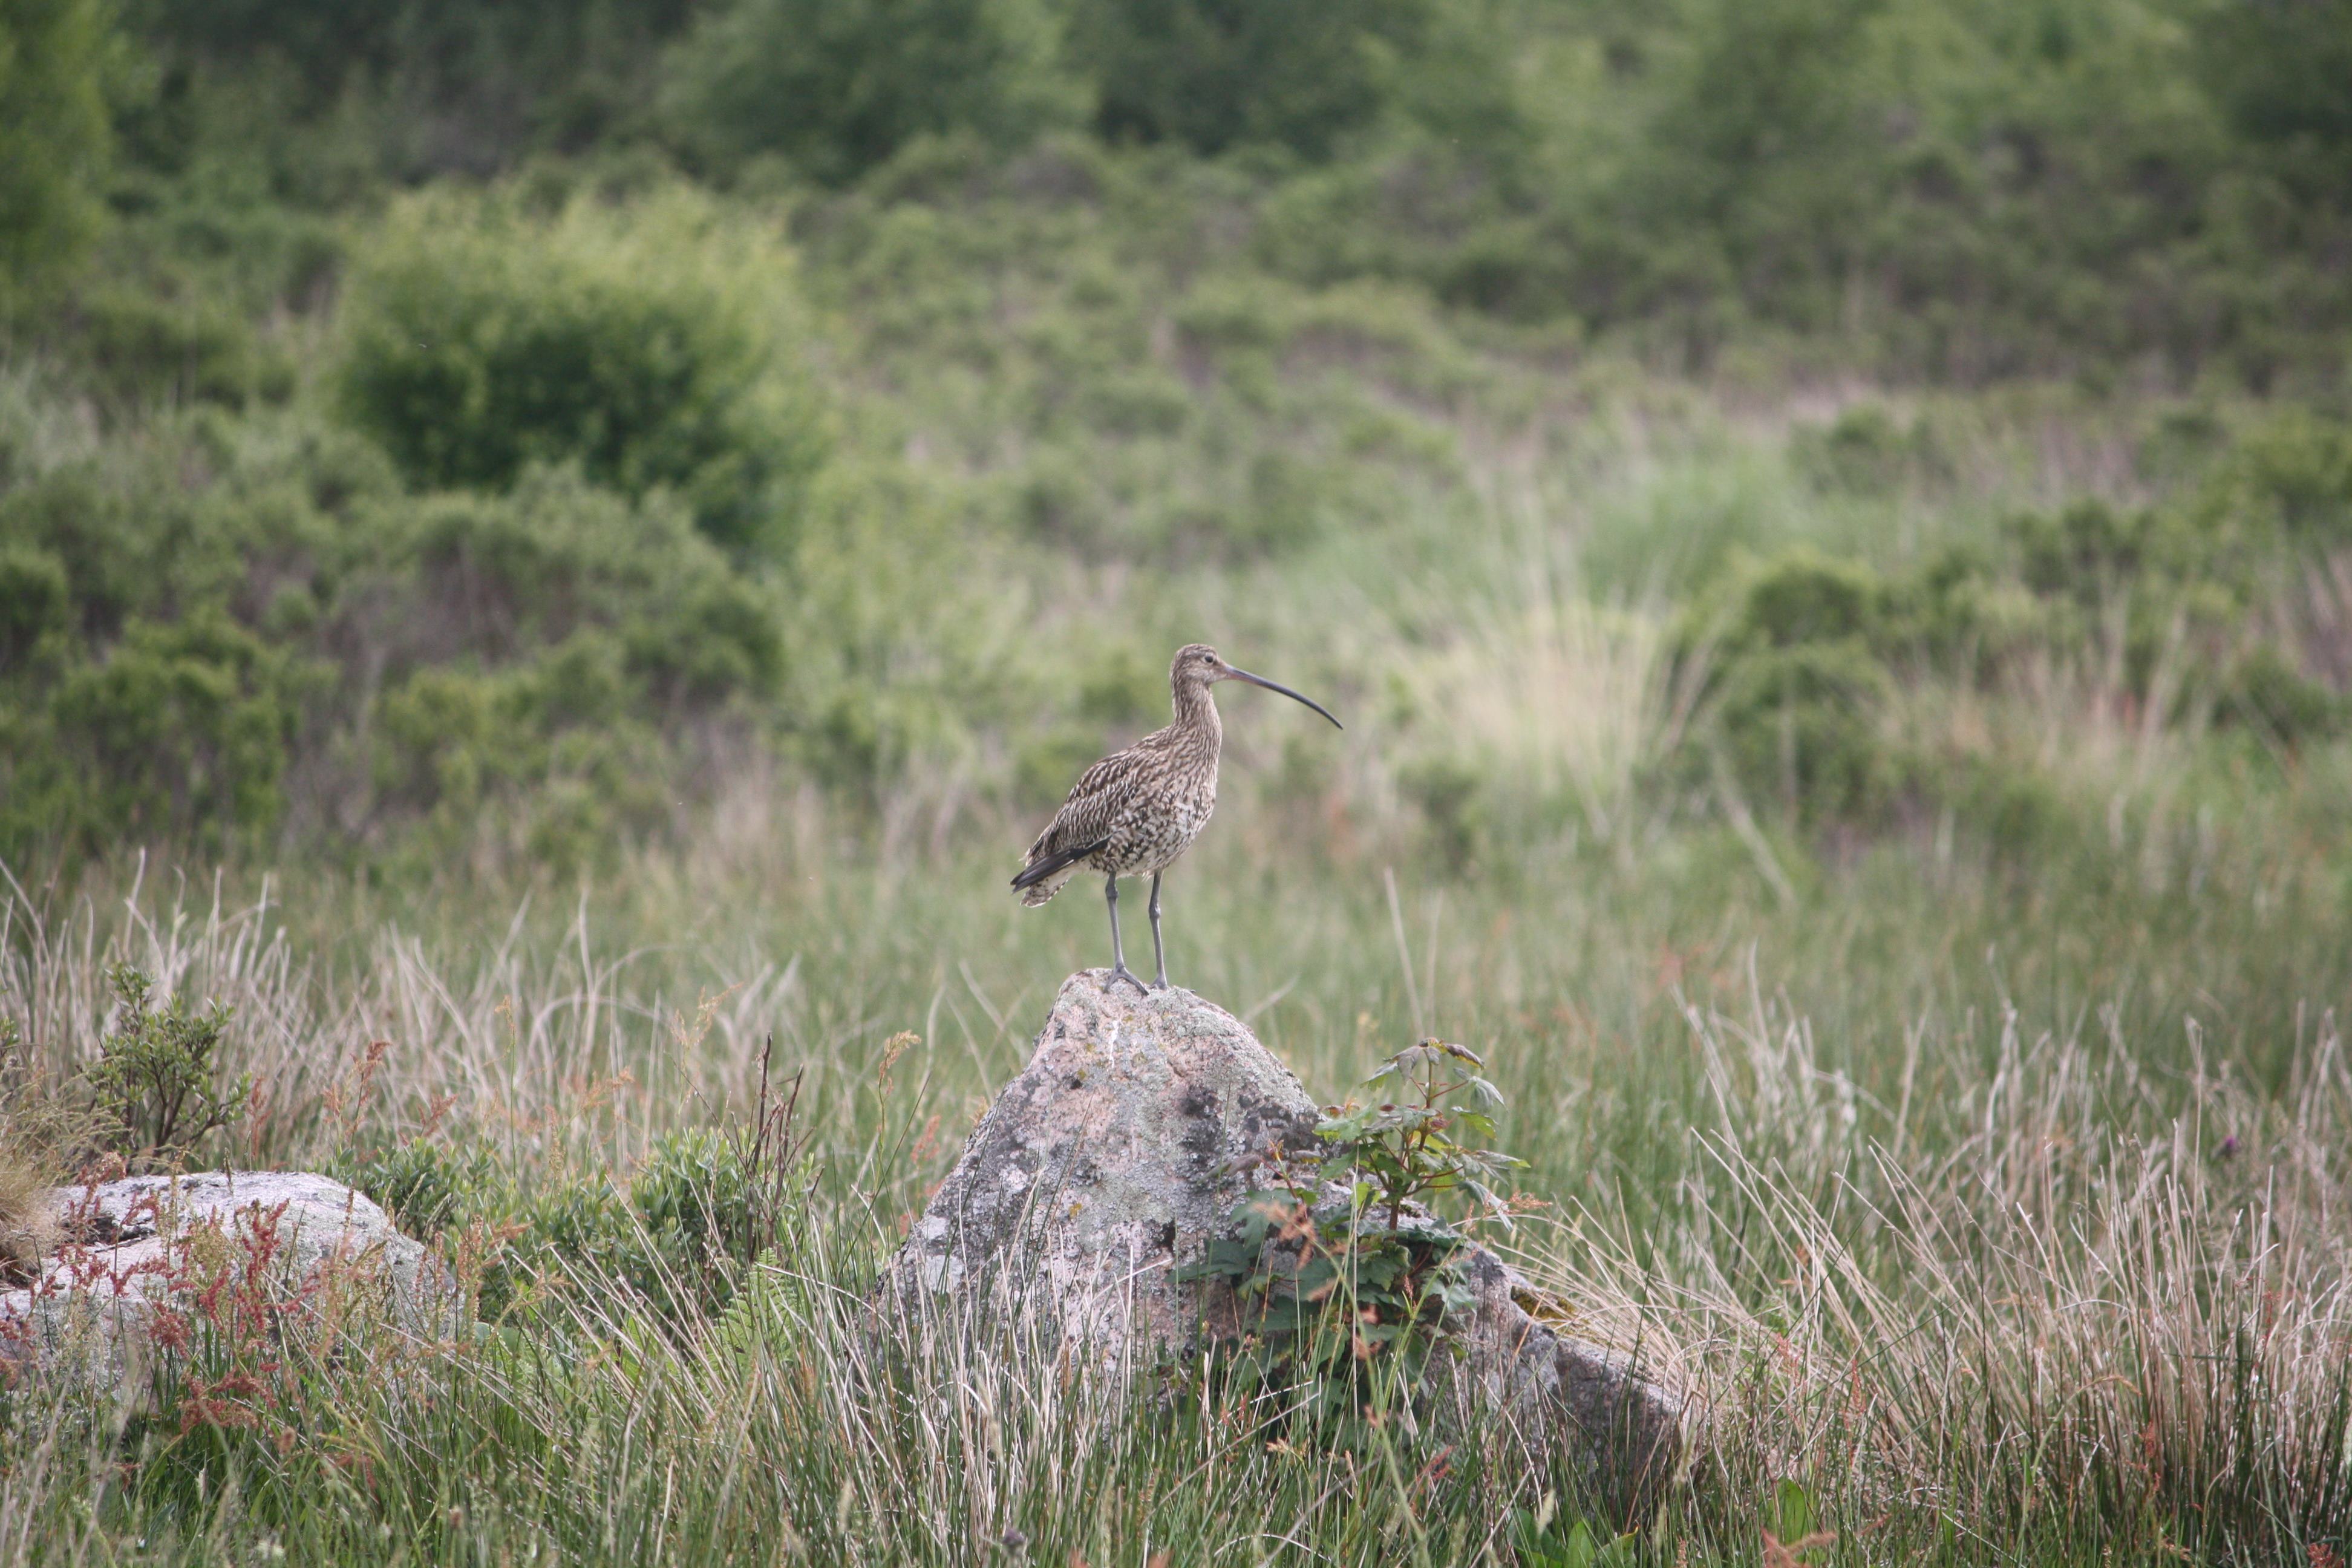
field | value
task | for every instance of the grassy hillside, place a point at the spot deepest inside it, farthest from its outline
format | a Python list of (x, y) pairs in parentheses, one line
[(551, 554)]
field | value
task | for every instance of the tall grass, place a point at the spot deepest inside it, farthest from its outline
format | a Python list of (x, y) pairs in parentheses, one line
[(2007, 1225), (1981, 1172)]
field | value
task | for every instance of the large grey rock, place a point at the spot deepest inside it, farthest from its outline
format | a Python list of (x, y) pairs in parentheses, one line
[(151, 1249), (1110, 1162)]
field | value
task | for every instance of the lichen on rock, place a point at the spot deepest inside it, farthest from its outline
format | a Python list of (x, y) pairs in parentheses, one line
[(137, 1253)]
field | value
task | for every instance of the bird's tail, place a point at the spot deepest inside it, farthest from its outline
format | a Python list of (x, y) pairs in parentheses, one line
[(1044, 876), (1037, 892)]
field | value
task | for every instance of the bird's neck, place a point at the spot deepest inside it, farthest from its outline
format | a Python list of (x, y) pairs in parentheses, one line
[(1196, 714)]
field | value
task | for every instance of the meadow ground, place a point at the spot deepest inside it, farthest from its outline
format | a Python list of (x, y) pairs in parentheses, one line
[(1981, 1164)]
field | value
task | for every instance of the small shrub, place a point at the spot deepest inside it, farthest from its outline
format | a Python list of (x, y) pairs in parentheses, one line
[(840, 86), (1450, 794), (1328, 1294), (1407, 1142), (2016, 812), (1864, 452), (195, 351), (1956, 611), (1800, 725), (1796, 688), (181, 731), (1802, 597), (1301, 77), (155, 1084), (2278, 701), (427, 1188), (2289, 479), (2179, 443), (62, 60), (557, 639), (1510, 268), (697, 1215), (35, 600), (2085, 553)]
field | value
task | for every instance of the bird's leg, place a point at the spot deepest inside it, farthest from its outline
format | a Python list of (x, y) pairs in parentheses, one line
[(1158, 953), (1119, 970)]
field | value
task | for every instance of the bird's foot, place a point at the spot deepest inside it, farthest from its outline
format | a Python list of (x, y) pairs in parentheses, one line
[(1120, 972)]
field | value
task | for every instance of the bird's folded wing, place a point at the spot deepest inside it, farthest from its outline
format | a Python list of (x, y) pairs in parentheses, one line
[(1083, 824)]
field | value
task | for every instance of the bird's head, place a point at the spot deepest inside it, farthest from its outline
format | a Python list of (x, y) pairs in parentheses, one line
[(1197, 664), (1197, 668)]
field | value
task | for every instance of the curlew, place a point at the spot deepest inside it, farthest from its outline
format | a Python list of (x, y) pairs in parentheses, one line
[(1137, 810)]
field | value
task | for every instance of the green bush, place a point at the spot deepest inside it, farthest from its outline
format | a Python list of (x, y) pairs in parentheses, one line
[(700, 1204), (2278, 701), (332, 100), (1283, 73), (428, 1188), (1865, 452), (515, 574), (1805, 598), (654, 346), (2088, 552), (550, 645), (2288, 479), (1801, 726), (1965, 180), (60, 61), (681, 1234), (1956, 612), (2279, 71), (1340, 1294), (1796, 688), (838, 86), (682, 1230), (196, 350), (1971, 191), (181, 732), (2012, 809), (242, 628), (35, 600)]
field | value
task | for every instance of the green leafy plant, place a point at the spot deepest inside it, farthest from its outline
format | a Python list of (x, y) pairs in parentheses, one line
[(1340, 1278), (1546, 1539), (155, 1083), (1406, 1142), (1791, 1524), (428, 1188)]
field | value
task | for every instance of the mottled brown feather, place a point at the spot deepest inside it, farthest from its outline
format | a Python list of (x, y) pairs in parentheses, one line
[(1141, 808)]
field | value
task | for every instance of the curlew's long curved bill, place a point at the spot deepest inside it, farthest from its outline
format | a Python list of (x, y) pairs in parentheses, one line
[(1271, 686)]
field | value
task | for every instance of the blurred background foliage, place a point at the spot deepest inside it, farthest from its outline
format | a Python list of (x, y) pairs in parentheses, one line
[(440, 433), (597, 528)]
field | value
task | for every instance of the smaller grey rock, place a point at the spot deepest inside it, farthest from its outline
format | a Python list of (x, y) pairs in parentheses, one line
[(133, 1248)]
